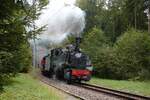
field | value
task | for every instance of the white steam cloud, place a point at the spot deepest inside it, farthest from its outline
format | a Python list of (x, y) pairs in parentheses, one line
[(62, 18)]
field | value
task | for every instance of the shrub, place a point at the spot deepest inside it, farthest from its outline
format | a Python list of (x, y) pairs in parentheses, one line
[(105, 65), (14, 62), (96, 45), (133, 54), (5, 67), (94, 41), (128, 58), (24, 58)]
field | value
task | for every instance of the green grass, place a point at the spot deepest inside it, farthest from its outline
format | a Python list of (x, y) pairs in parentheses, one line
[(24, 87), (136, 87)]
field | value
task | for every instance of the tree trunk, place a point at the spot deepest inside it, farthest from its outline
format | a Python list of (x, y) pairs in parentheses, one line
[(149, 20), (135, 19)]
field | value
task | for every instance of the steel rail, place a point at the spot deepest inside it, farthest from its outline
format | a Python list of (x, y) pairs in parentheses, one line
[(113, 92), (74, 95)]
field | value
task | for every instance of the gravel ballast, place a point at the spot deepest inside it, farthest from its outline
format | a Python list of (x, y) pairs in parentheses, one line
[(78, 91)]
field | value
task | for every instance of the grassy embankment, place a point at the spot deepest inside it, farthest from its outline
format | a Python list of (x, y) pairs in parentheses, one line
[(24, 87), (136, 87)]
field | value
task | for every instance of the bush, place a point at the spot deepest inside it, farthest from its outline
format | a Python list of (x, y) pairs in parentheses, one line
[(24, 58), (105, 65), (128, 58), (94, 41), (5, 67), (6, 62), (133, 54), (14, 62), (96, 45)]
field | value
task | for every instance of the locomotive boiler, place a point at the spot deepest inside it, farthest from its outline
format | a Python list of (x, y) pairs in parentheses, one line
[(69, 63)]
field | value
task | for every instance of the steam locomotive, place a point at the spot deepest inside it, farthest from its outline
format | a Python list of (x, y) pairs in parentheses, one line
[(69, 63)]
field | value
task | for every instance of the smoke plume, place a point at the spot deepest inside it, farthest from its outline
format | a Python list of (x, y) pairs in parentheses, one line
[(62, 18)]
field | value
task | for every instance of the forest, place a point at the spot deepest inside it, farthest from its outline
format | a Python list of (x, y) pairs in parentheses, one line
[(115, 37)]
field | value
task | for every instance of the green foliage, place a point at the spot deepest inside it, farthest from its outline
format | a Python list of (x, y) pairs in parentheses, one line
[(126, 55), (5, 62), (23, 58), (93, 9), (93, 41), (105, 65), (133, 55), (134, 14), (128, 58), (16, 28), (114, 16), (5, 67), (96, 45)]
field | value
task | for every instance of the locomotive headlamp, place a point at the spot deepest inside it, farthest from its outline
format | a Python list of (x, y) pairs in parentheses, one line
[(78, 55)]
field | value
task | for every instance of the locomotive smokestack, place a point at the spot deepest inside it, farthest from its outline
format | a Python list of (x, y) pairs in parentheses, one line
[(78, 41)]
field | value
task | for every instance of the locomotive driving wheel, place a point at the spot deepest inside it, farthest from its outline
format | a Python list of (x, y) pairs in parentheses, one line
[(59, 74)]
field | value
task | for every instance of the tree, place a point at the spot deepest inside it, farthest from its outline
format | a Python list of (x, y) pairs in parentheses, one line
[(17, 17), (94, 41), (93, 10), (134, 12)]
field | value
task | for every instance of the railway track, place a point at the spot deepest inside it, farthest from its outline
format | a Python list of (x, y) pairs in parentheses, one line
[(96, 89), (44, 80), (124, 95)]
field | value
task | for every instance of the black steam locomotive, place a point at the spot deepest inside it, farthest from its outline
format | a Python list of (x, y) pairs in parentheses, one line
[(68, 63)]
